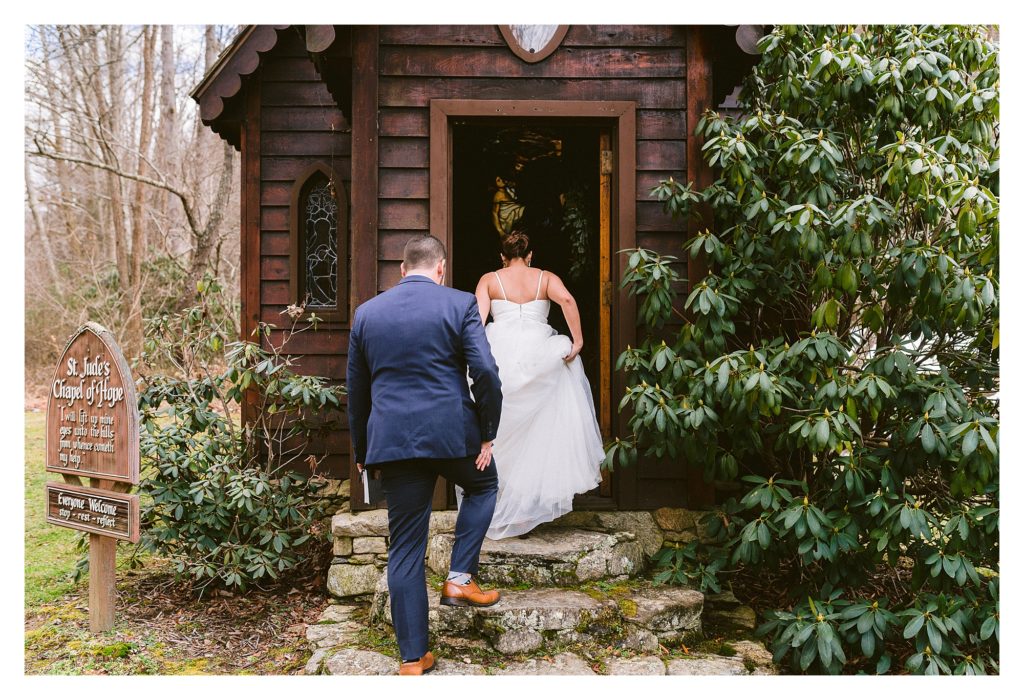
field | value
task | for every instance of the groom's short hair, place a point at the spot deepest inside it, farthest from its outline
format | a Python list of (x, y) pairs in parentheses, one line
[(422, 252)]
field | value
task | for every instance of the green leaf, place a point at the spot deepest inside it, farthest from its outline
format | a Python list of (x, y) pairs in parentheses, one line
[(913, 627), (988, 627), (934, 637), (808, 654), (928, 438), (821, 432), (970, 442), (989, 442), (831, 314)]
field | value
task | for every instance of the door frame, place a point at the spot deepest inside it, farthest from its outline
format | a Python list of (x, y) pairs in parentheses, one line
[(621, 117)]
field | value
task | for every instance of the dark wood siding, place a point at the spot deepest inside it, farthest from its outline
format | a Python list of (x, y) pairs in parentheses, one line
[(421, 63), (644, 64), (300, 124)]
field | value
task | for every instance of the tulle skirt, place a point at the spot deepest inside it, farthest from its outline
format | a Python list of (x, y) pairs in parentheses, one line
[(548, 446)]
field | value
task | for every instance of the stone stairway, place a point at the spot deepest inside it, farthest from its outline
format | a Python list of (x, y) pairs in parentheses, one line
[(548, 556), (574, 600)]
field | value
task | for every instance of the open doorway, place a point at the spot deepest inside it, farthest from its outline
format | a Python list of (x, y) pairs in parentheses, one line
[(548, 175)]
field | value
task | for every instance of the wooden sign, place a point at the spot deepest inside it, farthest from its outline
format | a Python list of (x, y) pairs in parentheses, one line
[(92, 431), (93, 510), (92, 420)]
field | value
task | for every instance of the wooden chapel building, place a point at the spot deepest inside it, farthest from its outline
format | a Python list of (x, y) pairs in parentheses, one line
[(354, 138)]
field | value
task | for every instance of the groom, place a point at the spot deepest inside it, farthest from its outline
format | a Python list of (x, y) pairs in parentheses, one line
[(412, 417)]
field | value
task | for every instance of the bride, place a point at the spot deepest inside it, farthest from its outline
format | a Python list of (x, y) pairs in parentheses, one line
[(548, 446)]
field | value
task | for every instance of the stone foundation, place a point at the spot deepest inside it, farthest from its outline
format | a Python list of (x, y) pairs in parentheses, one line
[(630, 539), (361, 549)]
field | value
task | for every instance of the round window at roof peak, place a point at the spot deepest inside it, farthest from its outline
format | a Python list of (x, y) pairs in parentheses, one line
[(533, 42)]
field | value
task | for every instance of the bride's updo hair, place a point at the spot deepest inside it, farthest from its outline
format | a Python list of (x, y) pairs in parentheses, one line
[(515, 245)]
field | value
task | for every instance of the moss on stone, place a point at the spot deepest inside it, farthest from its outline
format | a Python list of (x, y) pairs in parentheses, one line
[(619, 588), (373, 639), (491, 628), (584, 622), (628, 607), (117, 650)]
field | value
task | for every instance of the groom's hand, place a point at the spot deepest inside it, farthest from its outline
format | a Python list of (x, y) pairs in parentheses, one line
[(485, 455)]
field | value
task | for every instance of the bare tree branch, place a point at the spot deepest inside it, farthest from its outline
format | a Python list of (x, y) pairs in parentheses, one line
[(186, 201)]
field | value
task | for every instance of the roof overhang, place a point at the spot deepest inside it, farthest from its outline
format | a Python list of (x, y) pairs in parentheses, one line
[(219, 92), (219, 88)]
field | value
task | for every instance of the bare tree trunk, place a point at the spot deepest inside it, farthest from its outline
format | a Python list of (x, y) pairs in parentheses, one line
[(134, 324), (168, 109), (210, 238), (40, 227), (63, 186), (206, 243), (106, 133), (118, 215), (211, 47)]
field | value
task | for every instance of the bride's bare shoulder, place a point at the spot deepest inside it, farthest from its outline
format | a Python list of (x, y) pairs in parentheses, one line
[(485, 280), (550, 277)]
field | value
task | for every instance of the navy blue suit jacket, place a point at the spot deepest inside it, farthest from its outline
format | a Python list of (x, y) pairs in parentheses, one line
[(409, 350)]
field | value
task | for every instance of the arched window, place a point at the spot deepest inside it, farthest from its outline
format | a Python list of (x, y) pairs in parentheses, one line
[(319, 230)]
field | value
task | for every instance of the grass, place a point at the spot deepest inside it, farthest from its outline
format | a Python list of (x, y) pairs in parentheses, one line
[(50, 553)]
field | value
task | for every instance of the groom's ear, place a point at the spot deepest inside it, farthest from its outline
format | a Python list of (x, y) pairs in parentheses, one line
[(401, 267), (440, 269)]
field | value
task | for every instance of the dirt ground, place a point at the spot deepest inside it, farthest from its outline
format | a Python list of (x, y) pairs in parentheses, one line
[(163, 628), (35, 388)]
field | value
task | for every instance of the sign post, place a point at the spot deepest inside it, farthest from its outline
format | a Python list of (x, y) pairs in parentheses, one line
[(92, 432)]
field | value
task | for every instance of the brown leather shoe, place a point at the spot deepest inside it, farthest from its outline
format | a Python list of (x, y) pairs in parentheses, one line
[(469, 595), (422, 665)]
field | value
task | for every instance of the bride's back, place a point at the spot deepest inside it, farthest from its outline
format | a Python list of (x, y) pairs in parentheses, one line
[(519, 283)]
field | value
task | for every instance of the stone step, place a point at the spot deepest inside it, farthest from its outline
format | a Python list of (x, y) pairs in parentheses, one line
[(358, 662), (601, 544), (343, 644), (639, 618), (548, 556)]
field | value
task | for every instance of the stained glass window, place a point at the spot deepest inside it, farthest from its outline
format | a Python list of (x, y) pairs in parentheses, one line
[(320, 245)]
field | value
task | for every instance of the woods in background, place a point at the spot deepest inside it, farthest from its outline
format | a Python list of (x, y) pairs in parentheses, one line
[(129, 199)]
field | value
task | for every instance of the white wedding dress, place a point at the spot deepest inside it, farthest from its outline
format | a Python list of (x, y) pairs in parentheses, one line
[(548, 446)]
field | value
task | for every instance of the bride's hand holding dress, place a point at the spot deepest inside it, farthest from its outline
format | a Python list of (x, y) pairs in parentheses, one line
[(557, 293)]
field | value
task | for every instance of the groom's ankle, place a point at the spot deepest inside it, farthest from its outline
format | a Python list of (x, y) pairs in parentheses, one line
[(459, 578)]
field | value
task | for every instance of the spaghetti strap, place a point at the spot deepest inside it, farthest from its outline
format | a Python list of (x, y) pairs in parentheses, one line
[(537, 295), (501, 286)]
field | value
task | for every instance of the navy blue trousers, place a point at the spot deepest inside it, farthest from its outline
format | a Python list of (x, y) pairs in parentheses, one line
[(409, 488)]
